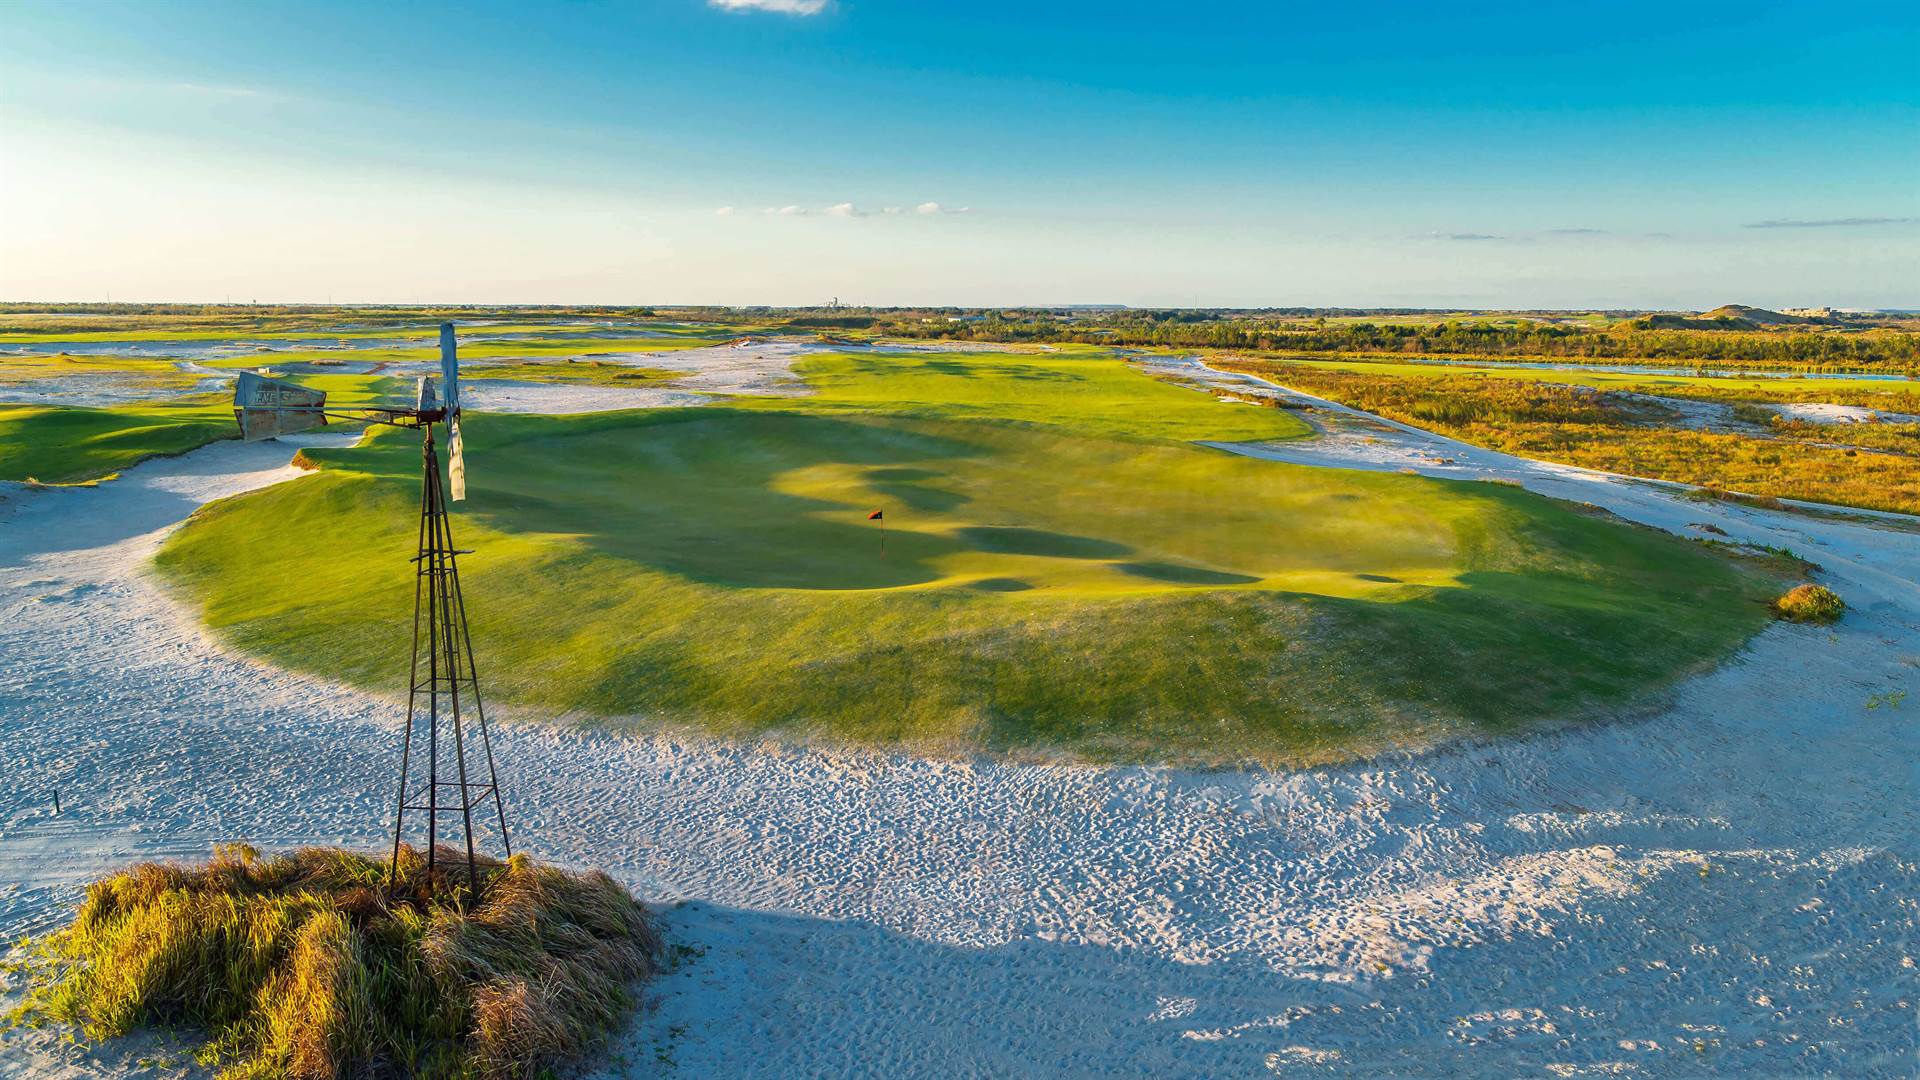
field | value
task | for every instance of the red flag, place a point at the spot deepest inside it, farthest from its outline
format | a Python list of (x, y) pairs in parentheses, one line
[(876, 516)]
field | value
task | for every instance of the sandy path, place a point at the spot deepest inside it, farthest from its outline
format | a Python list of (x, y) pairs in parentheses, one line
[(1827, 413), (1729, 887)]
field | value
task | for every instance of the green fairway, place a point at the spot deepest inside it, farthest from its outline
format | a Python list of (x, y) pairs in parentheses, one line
[(1063, 572), (426, 332), (1084, 389), (60, 445), (588, 349), (146, 375)]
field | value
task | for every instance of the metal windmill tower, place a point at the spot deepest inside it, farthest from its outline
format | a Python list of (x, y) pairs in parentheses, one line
[(443, 698)]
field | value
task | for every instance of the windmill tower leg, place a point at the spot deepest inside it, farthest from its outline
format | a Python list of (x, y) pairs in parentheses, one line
[(443, 692)]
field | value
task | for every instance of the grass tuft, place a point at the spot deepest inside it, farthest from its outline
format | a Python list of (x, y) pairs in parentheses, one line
[(301, 966), (1810, 604)]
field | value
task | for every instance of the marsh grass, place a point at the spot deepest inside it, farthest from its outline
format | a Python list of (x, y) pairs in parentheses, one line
[(1599, 430), (302, 965)]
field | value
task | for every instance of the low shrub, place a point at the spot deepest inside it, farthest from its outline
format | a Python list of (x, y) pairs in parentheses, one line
[(305, 966), (1810, 603)]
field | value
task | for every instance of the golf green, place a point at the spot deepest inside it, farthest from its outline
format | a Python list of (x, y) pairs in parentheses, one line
[(1061, 572)]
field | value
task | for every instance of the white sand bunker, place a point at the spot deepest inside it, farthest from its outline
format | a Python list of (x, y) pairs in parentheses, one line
[(751, 367), (554, 399), (761, 366), (1824, 413), (758, 367), (88, 391)]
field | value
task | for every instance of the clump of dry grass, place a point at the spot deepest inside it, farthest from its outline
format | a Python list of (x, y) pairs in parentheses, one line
[(1810, 603), (1715, 492), (302, 965)]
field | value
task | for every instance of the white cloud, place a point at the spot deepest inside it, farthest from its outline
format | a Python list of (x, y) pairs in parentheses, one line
[(784, 7), (142, 88), (849, 209), (1829, 223), (217, 91)]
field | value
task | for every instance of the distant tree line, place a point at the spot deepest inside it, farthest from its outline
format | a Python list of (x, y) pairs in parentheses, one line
[(1197, 330), (18, 307)]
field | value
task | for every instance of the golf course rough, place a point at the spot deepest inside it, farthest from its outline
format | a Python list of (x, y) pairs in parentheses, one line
[(63, 444), (1064, 574)]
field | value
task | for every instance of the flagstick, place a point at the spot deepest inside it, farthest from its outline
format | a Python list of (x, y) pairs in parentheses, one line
[(883, 538)]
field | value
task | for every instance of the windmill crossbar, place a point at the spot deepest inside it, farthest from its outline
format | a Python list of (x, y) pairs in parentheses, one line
[(485, 789), (459, 551)]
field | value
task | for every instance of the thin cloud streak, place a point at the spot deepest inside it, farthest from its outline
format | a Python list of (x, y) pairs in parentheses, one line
[(851, 210), (212, 90), (782, 7), (1829, 223)]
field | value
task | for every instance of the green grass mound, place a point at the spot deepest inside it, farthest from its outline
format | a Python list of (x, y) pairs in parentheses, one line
[(301, 966), (1064, 574), (1810, 604), (1040, 592), (60, 445)]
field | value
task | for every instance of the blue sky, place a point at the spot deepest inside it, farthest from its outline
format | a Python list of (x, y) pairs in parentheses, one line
[(1564, 155)]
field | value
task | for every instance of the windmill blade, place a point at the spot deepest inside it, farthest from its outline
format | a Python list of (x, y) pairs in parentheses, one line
[(424, 397), (449, 371), (456, 460), (450, 389), (267, 407)]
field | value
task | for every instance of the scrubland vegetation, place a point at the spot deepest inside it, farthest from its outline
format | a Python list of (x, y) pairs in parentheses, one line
[(1878, 467), (1723, 343), (304, 965)]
